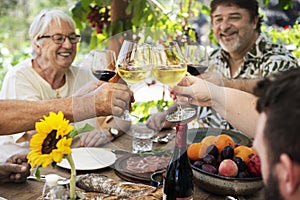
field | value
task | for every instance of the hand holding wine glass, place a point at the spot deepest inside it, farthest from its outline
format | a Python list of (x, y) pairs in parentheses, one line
[(134, 65), (170, 68)]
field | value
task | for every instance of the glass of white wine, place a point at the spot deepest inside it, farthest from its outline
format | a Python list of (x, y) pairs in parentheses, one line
[(133, 66), (169, 69)]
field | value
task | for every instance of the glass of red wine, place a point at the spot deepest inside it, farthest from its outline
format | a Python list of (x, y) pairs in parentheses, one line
[(103, 64), (197, 59)]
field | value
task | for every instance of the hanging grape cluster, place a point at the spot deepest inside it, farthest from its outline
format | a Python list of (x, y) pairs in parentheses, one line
[(98, 17)]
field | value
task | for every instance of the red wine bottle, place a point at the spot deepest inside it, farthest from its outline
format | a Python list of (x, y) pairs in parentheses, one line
[(104, 75), (178, 182)]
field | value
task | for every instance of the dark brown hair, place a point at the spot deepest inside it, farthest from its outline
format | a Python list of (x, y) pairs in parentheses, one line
[(279, 98), (250, 5)]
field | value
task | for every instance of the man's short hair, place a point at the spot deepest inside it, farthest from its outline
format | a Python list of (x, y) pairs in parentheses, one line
[(279, 97)]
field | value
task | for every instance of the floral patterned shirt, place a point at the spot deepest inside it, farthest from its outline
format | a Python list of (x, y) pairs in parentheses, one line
[(264, 59)]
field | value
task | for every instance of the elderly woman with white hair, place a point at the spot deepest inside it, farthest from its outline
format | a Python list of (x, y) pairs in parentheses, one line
[(49, 74)]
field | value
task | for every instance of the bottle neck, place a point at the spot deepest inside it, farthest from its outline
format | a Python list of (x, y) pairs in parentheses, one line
[(181, 134)]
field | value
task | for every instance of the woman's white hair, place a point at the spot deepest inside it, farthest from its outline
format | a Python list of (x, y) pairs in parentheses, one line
[(42, 21)]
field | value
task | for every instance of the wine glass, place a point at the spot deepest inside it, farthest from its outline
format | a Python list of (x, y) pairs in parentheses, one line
[(133, 66), (197, 59), (103, 64), (170, 67)]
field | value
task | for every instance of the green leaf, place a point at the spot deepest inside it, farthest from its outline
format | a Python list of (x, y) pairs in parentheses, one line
[(37, 173), (76, 131)]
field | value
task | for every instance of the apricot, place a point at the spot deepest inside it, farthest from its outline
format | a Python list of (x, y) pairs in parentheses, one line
[(193, 151), (208, 140), (244, 152), (222, 141)]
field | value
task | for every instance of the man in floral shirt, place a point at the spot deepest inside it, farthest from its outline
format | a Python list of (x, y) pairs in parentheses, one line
[(245, 56)]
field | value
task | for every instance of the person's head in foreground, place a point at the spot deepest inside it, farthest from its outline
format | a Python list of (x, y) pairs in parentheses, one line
[(278, 138)]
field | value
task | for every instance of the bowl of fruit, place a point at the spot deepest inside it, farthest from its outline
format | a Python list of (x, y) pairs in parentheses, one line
[(222, 165)]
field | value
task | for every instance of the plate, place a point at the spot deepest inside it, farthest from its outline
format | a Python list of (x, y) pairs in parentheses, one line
[(197, 134), (123, 172), (89, 158)]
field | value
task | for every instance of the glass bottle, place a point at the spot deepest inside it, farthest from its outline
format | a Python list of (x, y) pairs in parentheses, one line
[(53, 191), (178, 182)]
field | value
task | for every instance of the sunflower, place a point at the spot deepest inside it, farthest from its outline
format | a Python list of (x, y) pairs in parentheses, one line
[(51, 142)]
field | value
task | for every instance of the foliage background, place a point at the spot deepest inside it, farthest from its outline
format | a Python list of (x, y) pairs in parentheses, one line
[(16, 16)]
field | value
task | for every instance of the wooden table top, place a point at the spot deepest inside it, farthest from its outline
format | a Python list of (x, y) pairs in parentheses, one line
[(31, 190)]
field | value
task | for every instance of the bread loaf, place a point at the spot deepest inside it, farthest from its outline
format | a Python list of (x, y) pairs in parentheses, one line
[(120, 189)]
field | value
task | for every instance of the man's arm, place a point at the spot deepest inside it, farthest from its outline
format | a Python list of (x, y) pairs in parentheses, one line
[(107, 99), (246, 85), (236, 106), (21, 115)]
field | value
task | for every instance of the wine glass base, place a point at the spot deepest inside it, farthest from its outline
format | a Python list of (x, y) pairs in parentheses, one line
[(181, 116)]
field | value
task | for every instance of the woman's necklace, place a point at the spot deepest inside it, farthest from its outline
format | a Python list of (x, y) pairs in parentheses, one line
[(41, 73), (57, 94)]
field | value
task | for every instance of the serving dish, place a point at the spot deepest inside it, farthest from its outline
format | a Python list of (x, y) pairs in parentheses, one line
[(197, 134), (222, 185)]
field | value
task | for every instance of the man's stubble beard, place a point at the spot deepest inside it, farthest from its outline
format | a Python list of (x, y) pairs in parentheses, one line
[(239, 44), (271, 190), (231, 48)]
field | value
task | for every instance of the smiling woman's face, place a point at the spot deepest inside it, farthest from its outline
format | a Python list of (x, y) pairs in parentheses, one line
[(58, 55), (233, 28)]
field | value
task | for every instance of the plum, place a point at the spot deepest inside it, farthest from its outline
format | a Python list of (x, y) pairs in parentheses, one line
[(212, 150), (242, 166), (198, 164), (253, 167), (242, 174), (227, 152), (210, 159), (210, 168)]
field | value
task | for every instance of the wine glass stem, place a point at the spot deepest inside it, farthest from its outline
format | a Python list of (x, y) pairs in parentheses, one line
[(180, 111)]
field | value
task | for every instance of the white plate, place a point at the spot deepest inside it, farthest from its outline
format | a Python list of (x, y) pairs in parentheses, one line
[(89, 158)]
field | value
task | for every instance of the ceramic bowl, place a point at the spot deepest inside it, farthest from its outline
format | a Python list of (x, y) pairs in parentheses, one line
[(222, 185)]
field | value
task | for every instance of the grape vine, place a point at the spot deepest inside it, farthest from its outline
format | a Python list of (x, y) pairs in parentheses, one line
[(98, 17)]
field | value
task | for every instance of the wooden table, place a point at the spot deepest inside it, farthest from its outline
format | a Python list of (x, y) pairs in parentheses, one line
[(33, 189)]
